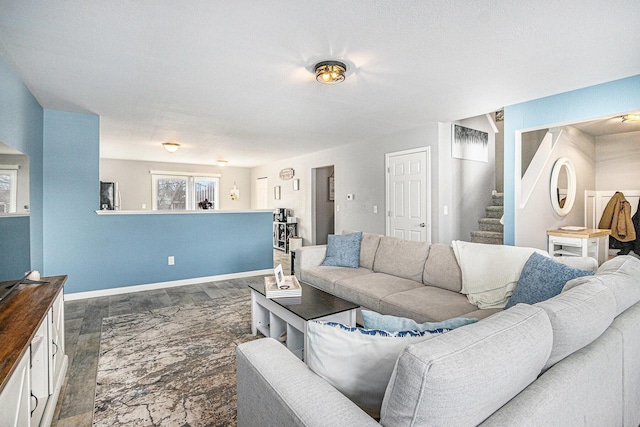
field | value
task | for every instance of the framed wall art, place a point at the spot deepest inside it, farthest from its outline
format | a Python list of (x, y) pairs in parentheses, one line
[(469, 144), (276, 192), (332, 189)]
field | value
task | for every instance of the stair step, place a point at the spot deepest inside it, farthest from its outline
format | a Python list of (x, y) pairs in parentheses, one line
[(498, 199), (487, 237), (494, 211), (490, 224)]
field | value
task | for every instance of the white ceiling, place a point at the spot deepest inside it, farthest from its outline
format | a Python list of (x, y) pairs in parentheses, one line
[(233, 79)]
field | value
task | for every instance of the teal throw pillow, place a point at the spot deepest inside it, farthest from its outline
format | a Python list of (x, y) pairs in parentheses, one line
[(343, 250), (542, 278), (385, 322)]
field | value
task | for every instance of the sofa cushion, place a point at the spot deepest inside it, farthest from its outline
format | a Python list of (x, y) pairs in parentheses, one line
[(441, 268), (343, 250), (368, 248), (578, 317), (368, 290), (356, 361), (385, 322), (542, 278), (463, 376), (401, 258), (620, 274), (426, 304), (324, 277)]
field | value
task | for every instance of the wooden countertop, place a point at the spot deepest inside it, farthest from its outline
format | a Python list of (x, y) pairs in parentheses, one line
[(582, 234), (21, 313)]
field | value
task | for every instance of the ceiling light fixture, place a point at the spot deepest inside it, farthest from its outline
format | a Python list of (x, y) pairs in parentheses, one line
[(222, 163), (635, 117), (330, 72), (171, 147)]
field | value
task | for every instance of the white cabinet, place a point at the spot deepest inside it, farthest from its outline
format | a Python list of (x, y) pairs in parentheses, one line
[(15, 406), (578, 241), (29, 394), (57, 355)]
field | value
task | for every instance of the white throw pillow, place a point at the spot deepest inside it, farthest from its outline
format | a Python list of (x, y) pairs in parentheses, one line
[(356, 361)]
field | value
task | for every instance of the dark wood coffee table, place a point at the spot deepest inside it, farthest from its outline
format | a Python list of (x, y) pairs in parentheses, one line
[(279, 316)]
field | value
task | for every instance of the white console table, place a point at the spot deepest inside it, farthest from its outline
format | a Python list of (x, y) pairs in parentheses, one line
[(589, 242)]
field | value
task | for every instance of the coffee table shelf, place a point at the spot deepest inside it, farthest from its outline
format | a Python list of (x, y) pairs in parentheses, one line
[(278, 318)]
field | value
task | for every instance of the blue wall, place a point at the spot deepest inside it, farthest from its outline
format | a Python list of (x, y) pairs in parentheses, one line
[(106, 251), (14, 247), (21, 128), (606, 99)]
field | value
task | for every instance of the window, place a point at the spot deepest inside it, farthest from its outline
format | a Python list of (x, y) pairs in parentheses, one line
[(183, 191), (8, 188)]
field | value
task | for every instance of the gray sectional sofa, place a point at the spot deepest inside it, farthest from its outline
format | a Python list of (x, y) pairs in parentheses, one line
[(417, 280), (572, 360)]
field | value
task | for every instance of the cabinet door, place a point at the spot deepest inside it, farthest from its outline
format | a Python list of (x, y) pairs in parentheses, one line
[(15, 406), (56, 342)]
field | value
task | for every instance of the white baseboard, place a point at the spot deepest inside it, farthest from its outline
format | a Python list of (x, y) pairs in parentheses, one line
[(162, 285)]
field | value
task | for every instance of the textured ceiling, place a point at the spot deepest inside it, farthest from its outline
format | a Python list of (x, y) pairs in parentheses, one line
[(233, 79)]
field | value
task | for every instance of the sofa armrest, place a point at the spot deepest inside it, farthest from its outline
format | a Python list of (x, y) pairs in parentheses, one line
[(309, 256), (275, 388), (582, 263)]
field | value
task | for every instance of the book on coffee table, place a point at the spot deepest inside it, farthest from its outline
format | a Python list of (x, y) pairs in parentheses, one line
[(281, 286)]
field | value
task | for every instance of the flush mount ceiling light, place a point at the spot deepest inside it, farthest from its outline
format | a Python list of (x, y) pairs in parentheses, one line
[(222, 162), (635, 117), (330, 72), (171, 147)]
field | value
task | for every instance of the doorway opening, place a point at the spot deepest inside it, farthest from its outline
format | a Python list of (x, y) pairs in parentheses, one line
[(323, 212)]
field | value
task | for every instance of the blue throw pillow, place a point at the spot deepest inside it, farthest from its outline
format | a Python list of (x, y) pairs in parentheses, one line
[(343, 250), (542, 278), (384, 322)]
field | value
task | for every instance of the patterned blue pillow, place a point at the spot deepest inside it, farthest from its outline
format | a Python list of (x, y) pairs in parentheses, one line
[(542, 278), (373, 320), (343, 250)]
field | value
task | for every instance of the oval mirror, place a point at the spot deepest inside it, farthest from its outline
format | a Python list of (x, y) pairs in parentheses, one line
[(562, 189)]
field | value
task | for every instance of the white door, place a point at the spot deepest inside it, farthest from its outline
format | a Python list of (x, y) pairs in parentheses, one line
[(262, 193), (409, 195)]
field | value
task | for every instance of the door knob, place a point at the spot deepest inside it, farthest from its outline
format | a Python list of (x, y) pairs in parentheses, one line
[(422, 224)]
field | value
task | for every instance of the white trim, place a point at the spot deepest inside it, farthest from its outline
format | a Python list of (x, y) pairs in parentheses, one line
[(214, 175), (12, 215), (10, 167), (156, 212), (162, 285)]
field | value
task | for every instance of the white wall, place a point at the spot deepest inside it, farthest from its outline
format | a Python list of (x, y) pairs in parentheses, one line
[(537, 216), (135, 181), (618, 162), (359, 169), (465, 186)]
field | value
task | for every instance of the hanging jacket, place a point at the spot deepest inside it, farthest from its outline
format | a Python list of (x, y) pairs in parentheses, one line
[(617, 218), (636, 224)]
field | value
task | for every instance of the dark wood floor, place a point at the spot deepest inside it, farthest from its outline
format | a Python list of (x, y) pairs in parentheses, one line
[(83, 321)]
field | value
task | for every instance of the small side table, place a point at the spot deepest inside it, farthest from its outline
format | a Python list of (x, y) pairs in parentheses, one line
[(588, 242)]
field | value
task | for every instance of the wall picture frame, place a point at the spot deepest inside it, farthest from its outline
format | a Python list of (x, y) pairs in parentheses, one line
[(332, 189), (276, 192), (469, 144), (296, 184)]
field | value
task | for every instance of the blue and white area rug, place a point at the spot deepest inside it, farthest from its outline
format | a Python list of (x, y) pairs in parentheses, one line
[(172, 366)]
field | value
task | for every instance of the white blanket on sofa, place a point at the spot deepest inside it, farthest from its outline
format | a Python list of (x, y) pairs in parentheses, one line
[(490, 272)]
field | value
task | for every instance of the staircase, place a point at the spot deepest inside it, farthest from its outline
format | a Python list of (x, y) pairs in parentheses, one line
[(491, 230)]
